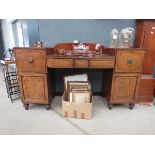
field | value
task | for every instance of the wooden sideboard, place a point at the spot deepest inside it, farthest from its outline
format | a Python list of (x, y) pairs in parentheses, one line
[(121, 79), (34, 79)]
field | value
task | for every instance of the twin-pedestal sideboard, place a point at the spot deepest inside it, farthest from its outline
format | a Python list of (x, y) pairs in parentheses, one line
[(121, 78)]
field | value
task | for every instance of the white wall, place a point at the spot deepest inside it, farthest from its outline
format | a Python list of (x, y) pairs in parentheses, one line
[(7, 34)]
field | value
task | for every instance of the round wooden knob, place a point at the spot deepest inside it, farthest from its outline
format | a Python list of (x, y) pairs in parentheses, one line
[(130, 61), (30, 59)]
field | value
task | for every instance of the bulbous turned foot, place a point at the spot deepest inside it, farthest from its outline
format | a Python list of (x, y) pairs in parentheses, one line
[(131, 105), (48, 107), (110, 106), (26, 106)]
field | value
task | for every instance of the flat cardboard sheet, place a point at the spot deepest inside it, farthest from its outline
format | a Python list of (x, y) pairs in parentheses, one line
[(80, 77)]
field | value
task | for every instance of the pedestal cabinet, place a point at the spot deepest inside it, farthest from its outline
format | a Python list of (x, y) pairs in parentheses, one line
[(125, 77), (33, 77)]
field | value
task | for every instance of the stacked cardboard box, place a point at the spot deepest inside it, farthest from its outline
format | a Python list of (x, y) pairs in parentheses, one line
[(77, 97)]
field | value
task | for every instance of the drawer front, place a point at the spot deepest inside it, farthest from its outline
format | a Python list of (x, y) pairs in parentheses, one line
[(31, 60), (81, 63), (60, 63), (102, 63), (129, 61)]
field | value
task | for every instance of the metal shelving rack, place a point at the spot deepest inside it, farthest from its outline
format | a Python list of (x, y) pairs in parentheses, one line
[(11, 79)]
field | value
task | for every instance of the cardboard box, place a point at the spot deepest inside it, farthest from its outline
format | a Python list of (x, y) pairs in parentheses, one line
[(76, 110)]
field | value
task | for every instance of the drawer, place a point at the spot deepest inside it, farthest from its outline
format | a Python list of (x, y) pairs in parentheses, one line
[(129, 61), (81, 63), (60, 63), (102, 63), (31, 60)]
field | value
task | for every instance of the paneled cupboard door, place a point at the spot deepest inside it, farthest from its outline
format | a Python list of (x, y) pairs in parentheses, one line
[(124, 88), (34, 88)]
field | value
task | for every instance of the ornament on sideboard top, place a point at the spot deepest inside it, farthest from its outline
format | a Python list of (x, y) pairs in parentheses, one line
[(75, 41), (126, 37), (99, 48), (38, 44), (114, 38), (81, 47), (122, 39)]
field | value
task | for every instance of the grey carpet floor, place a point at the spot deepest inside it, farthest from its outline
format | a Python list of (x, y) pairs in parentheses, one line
[(14, 119)]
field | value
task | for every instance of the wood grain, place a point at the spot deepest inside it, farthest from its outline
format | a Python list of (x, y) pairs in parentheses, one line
[(123, 88), (60, 63), (145, 38), (78, 63), (146, 89), (38, 57), (102, 63), (123, 61), (34, 88)]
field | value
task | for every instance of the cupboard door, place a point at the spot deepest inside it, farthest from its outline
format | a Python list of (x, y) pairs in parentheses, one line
[(124, 88), (34, 88)]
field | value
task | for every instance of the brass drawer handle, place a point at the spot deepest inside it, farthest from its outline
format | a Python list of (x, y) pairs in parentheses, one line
[(130, 61), (30, 59)]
